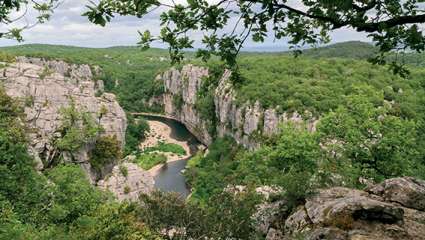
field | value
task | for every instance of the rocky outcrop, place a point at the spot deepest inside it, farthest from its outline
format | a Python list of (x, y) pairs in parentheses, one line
[(45, 87), (408, 192), (246, 123), (387, 211), (181, 88), (127, 181)]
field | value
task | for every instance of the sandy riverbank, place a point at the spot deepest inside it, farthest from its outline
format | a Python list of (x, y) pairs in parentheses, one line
[(160, 131)]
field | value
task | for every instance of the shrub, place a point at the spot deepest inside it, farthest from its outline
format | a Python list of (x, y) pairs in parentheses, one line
[(168, 210), (127, 189), (371, 139), (135, 133), (166, 147), (178, 101), (107, 150), (123, 170), (73, 194), (77, 128), (149, 160), (45, 73), (6, 57)]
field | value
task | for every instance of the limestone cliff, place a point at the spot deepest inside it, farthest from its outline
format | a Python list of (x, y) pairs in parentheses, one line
[(246, 123), (47, 86)]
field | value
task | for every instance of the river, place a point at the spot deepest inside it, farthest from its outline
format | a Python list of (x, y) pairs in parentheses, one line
[(169, 178)]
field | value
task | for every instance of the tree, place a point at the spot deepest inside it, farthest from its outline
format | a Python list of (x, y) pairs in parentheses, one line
[(106, 151), (392, 24), (13, 11), (225, 215), (379, 144)]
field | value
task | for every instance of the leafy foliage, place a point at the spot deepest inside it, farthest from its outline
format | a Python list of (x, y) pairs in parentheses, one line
[(319, 86), (149, 160), (290, 161), (393, 25), (166, 147), (73, 195), (168, 211), (135, 133), (7, 58), (77, 128), (10, 12), (378, 144), (107, 150)]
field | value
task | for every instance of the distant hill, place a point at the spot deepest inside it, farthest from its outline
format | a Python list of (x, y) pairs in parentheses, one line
[(352, 50)]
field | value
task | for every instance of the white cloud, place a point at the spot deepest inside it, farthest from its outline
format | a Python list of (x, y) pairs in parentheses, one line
[(68, 27)]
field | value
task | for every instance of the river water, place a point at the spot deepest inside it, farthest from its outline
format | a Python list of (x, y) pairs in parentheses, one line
[(170, 178)]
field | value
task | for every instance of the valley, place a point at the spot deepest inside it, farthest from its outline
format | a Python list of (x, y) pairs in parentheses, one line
[(125, 144)]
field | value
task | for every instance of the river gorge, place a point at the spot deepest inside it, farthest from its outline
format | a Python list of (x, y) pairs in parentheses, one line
[(169, 177)]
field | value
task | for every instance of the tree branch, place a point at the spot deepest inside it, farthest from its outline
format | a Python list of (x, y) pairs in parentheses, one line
[(396, 21)]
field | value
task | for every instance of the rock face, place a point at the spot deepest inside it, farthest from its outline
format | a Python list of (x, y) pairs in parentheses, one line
[(47, 86), (245, 123), (387, 211), (127, 182), (181, 88), (408, 192)]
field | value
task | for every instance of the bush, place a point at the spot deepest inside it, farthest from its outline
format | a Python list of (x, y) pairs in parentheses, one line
[(123, 170), (6, 57), (149, 160), (77, 128), (371, 139), (178, 101), (166, 148), (169, 211), (135, 133), (106, 150), (127, 189), (74, 196), (112, 221)]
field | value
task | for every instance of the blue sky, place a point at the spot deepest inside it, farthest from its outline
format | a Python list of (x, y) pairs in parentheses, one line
[(68, 27)]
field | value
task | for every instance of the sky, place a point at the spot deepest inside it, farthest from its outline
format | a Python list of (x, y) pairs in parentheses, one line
[(68, 27)]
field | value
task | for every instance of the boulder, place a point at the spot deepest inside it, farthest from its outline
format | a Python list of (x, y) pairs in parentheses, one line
[(406, 191), (343, 206), (343, 213)]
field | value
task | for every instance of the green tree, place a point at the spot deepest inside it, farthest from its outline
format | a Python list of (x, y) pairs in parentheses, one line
[(135, 133), (107, 150), (379, 144), (112, 221), (226, 215), (73, 195), (392, 24), (77, 128), (22, 187)]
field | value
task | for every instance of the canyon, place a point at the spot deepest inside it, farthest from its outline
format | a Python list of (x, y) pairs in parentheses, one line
[(247, 123), (393, 209)]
